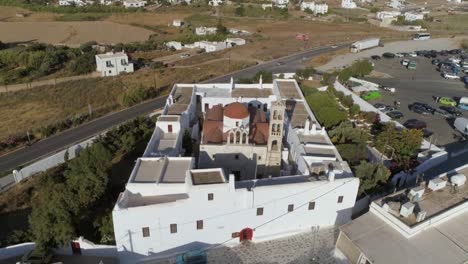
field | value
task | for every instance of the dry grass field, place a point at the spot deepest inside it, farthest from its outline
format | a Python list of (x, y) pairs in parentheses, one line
[(28, 109), (71, 33)]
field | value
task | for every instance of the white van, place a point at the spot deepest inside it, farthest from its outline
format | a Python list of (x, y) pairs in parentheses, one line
[(461, 124)]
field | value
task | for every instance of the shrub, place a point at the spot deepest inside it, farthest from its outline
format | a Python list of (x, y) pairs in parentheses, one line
[(371, 176), (352, 153), (355, 109), (133, 96), (325, 108)]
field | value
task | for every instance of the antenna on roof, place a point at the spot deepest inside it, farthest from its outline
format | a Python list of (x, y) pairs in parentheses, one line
[(260, 81), (232, 83)]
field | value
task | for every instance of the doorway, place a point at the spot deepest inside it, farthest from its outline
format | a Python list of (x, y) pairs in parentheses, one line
[(169, 128), (246, 234)]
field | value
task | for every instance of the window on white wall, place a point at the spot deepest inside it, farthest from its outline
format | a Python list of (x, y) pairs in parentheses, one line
[(210, 197), (311, 205), (146, 231), (290, 207), (199, 224), (340, 199), (260, 211), (173, 228)]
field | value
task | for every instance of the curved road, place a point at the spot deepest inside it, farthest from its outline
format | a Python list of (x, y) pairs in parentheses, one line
[(58, 142)]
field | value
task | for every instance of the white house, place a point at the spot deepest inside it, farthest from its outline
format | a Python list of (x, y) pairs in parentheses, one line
[(202, 31), (281, 3), (211, 46), (307, 5), (244, 184), (397, 4), (235, 42), (177, 23), (174, 44), (266, 6), (134, 3), (216, 2), (424, 224), (72, 2), (413, 16), (320, 9), (387, 14), (349, 4), (112, 64)]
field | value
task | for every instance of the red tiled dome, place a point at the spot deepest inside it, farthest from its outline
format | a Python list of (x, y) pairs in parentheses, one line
[(236, 111)]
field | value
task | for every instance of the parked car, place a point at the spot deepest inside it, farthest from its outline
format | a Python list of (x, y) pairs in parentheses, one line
[(412, 54), (430, 55), (415, 124), (443, 53), (380, 106), (405, 62), (435, 62), (428, 108), (463, 103), (412, 65), (371, 95), (461, 124), (388, 55), (375, 57), (399, 55), (465, 80), (395, 114), (443, 113), (185, 55), (450, 75), (427, 133), (418, 109), (405, 54), (192, 257), (446, 101), (451, 110)]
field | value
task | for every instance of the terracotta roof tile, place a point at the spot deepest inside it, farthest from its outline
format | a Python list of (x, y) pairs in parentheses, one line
[(236, 110), (212, 132), (215, 113)]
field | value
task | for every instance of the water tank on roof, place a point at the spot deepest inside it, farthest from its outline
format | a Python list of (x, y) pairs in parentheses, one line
[(458, 179)]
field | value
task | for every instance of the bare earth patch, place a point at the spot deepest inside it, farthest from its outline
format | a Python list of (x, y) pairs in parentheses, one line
[(72, 33)]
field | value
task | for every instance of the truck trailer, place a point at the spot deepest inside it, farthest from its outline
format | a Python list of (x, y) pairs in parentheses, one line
[(364, 44)]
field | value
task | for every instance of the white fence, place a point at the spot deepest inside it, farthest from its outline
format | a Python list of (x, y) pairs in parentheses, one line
[(87, 248), (51, 161), (16, 250)]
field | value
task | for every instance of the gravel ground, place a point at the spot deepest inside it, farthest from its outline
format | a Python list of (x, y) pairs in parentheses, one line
[(398, 46)]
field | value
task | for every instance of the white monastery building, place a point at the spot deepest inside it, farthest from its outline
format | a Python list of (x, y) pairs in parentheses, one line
[(112, 64), (263, 168), (202, 31), (134, 3), (216, 2), (349, 4), (317, 9), (413, 16), (425, 224)]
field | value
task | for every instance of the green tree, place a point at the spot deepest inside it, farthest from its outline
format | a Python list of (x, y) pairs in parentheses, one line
[(355, 109), (104, 226), (352, 153), (371, 176), (346, 133), (240, 11)]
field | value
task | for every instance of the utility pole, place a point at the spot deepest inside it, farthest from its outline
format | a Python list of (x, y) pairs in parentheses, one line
[(29, 139)]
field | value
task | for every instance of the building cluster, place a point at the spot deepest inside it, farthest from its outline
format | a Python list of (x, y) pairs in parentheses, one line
[(425, 224), (387, 17), (112, 64), (262, 167), (317, 9), (348, 4), (207, 46), (125, 3)]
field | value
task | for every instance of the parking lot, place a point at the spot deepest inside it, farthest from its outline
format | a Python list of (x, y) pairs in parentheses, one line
[(420, 85)]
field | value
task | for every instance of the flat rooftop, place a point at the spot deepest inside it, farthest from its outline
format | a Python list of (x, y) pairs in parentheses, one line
[(251, 92), (318, 139), (433, 202), (297, 113), (136, 200), (148, 171), (207, 176), (319, 152), (162, 170), (166, 118), (444, 243), (182, 98), (288, 90)]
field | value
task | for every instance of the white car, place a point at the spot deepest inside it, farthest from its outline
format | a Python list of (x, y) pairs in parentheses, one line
[(399, 55), (405, 62), (454, 60), (412, 54), (185, 55), (450, 75)]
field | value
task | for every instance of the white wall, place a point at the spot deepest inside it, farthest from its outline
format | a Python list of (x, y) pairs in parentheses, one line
[(231, 211), (16, 250)]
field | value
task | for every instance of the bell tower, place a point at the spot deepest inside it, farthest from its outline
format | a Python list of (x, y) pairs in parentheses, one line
[(275, 137)]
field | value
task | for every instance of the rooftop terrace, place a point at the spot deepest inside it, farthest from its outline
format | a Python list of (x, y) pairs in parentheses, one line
[(161, 170), (288, 90)]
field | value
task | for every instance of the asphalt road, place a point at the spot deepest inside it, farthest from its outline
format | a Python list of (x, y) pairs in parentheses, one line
[(60, 141)]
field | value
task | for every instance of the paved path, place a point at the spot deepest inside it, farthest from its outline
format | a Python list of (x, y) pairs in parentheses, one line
[(305, 248), (66, 138), (29, 85)]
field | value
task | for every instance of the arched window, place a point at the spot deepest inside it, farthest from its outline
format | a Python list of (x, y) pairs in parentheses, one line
[(244, 138), (274, 114), (265, 107), (231, 138), (278, 128), (274, 145), (279, 117), (238, 137)]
